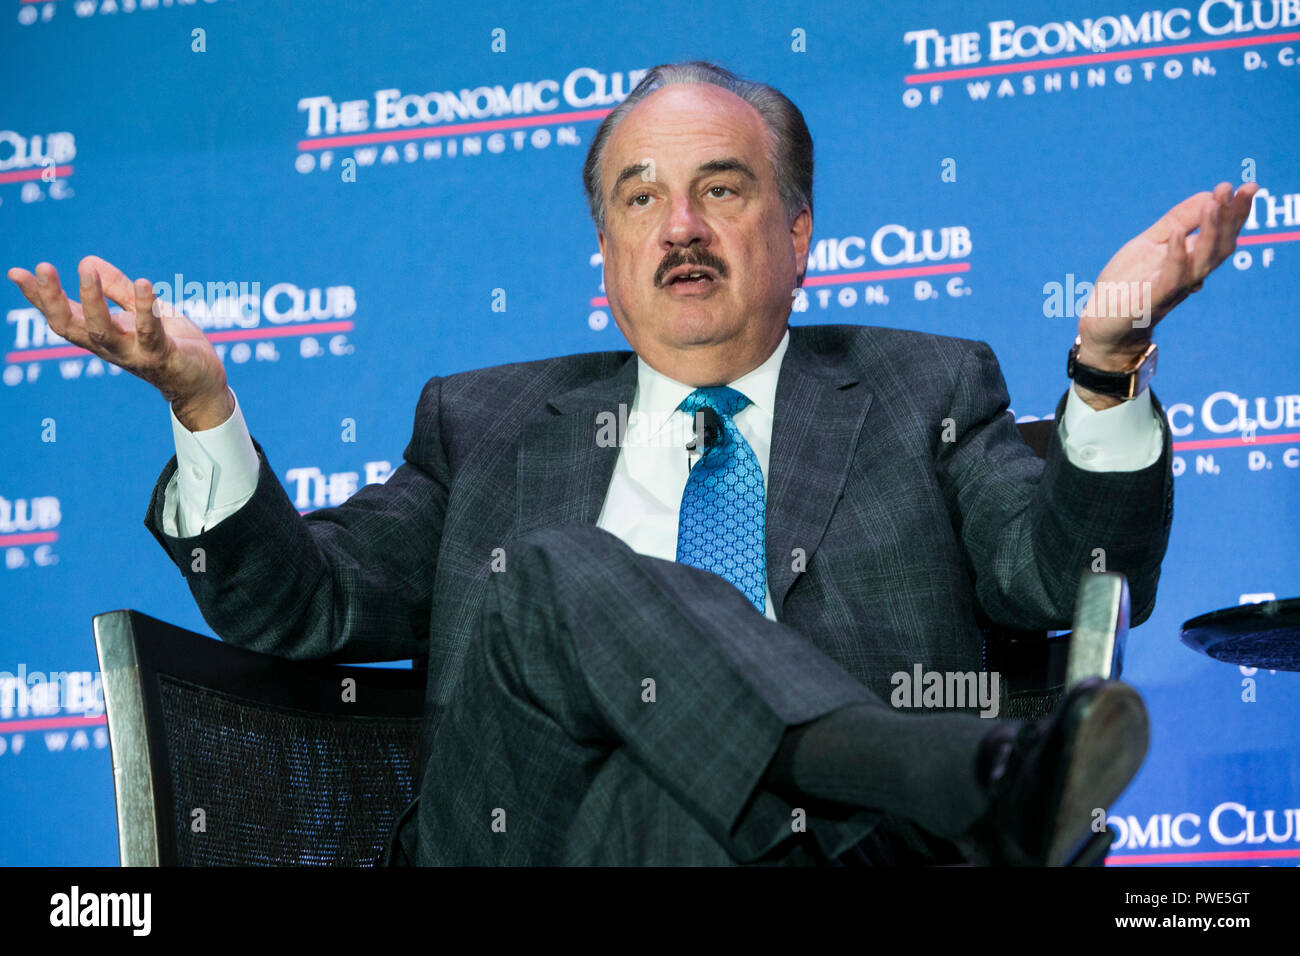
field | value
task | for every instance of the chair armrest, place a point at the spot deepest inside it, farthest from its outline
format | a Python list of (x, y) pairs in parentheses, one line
[(1101, 615)]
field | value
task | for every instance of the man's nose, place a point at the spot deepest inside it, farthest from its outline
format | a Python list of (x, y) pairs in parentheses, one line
[(685, 224)]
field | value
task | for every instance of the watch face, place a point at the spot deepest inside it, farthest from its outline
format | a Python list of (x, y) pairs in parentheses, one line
[(1125, 385), (1144, 374)]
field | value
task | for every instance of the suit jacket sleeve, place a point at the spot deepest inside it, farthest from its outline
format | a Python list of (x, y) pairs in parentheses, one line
[(1030, 528), (349, 583)]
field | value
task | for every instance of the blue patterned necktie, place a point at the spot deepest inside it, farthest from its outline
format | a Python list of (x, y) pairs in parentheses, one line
[(721, 526)]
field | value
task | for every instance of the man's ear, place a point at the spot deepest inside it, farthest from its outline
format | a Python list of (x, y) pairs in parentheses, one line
[(801, 235), (600, 241)]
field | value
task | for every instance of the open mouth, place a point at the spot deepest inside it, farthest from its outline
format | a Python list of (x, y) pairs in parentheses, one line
[(690, 279), (694, 278)]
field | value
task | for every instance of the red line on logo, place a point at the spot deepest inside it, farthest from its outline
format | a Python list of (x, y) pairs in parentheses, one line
[(1267, 237), (484, 126), (24, 175), (31, 537), (70, 351), (966, 73), (1129, 858), (268, 333), (1235, 442), (887, 274), (51, 723)]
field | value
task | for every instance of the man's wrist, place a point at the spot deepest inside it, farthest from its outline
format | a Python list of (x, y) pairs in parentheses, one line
[(1095, 399), (205, 413), (1117, 358)]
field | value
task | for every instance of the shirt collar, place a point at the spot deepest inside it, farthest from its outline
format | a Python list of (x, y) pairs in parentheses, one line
[(658, 396)]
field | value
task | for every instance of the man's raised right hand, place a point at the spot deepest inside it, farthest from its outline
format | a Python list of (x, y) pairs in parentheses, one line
[(160, 345)]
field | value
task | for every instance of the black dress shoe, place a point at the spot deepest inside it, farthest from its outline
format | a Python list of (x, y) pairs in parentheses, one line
[(1047, 779)]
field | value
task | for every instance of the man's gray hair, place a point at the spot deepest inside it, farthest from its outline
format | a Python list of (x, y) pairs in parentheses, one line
[(790, 147)]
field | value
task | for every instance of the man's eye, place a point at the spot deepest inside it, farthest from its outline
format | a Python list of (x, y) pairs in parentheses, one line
[(633, 200), (713, 189)]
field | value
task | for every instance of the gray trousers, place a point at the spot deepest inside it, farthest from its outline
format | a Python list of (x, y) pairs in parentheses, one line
[(621, 709)]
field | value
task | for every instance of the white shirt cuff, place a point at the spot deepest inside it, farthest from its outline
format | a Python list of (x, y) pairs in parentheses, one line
[(216, 474), (1127, 437)]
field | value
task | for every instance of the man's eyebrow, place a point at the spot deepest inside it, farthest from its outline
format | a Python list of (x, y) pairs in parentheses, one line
[(727, 165), (629, 172)]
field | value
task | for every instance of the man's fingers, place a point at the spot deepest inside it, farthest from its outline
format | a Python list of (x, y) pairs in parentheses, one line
[(1219, 230), (148, 327), (54, 305), (100, 327), (1173, 272), (26, 283), (1235, 214), (1219, 221), (117, 287), (1239, 205), (1203, 253), (1187, 215), (1217, 238), (1174, 267), (1178, 249)]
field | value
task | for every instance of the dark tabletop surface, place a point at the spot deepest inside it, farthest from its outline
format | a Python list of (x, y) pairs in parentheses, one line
[(1265, 635)]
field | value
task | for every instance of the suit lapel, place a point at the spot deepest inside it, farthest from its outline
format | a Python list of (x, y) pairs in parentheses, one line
[(562, 473), (819, 414)]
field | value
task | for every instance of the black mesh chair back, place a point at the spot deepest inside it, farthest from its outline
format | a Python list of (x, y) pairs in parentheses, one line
[(226, 757)]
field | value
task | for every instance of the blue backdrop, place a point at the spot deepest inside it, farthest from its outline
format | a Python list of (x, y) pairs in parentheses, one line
[(374, 174)]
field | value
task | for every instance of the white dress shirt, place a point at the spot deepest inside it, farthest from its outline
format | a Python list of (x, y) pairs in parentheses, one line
[(645, 494), (217, 468)]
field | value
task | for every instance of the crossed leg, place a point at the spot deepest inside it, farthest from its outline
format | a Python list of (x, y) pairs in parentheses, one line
[(623, 709)]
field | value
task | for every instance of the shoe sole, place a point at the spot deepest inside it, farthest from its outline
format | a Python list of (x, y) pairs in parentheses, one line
[(1107, 750)]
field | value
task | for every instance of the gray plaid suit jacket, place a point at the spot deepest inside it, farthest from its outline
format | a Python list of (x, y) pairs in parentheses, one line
[(911, 542)]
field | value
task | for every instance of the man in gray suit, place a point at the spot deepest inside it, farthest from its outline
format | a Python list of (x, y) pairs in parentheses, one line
[(640, 653)]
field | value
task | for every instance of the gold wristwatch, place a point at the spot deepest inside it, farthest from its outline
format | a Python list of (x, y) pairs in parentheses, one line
[(1127, 384)]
